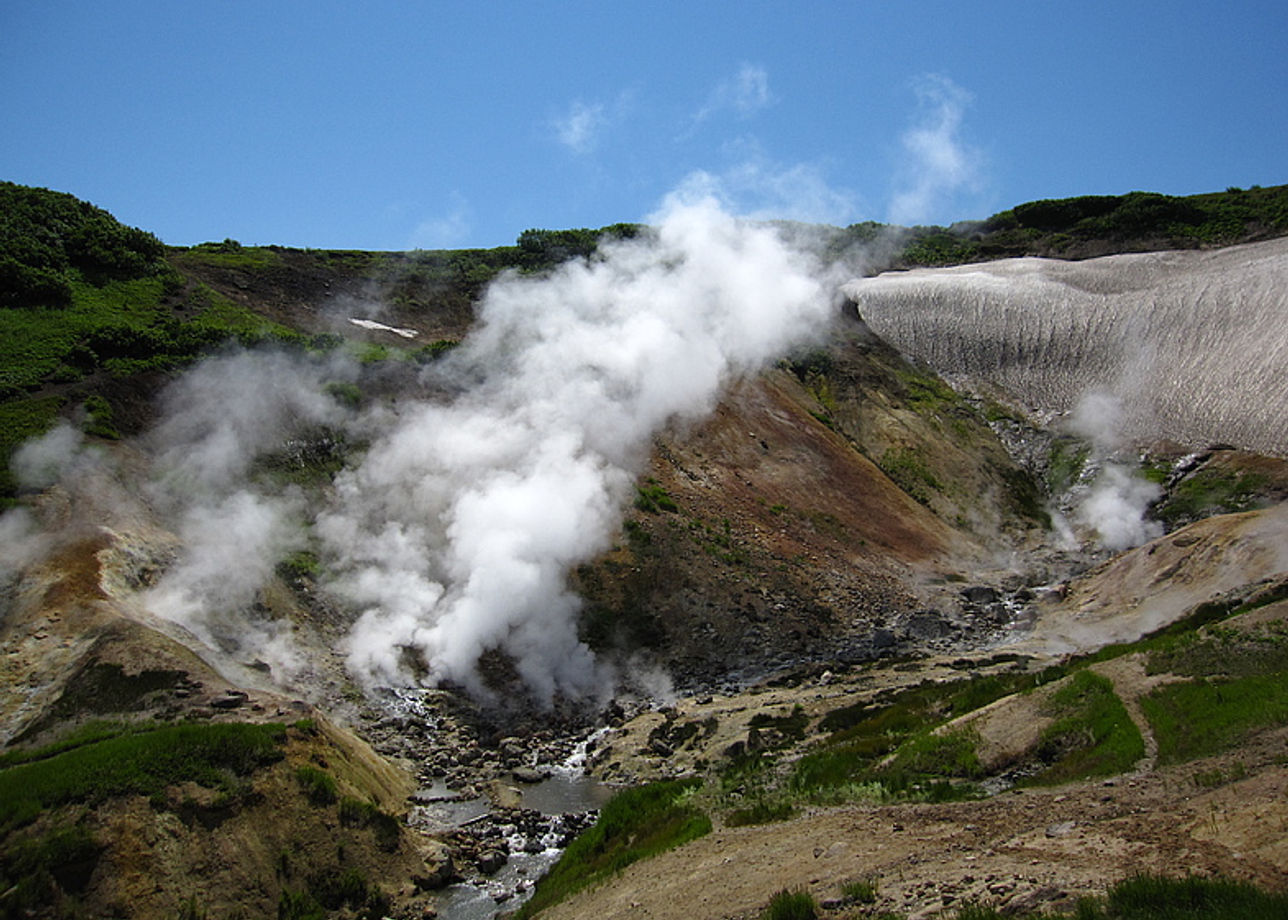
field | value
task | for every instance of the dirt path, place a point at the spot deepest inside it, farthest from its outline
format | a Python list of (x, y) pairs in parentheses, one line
[(1131, 683)]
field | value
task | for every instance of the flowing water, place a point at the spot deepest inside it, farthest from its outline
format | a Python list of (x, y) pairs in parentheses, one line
[(1193, 345)]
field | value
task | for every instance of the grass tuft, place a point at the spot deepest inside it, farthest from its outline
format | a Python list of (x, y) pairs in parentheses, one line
[(791, 905)]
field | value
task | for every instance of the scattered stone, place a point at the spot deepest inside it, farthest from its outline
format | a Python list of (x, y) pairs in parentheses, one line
[(232, 699), (980, 594), (490, 862), (440, 868)]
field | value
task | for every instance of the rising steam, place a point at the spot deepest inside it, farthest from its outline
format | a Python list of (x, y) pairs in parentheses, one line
[(456, 533)]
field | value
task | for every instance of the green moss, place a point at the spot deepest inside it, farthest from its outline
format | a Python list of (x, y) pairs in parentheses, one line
[(1211, 491), (1065, 463)]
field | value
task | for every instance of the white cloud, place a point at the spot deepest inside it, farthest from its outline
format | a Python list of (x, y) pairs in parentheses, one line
[(580, 128), (744, 93), (938, 162)]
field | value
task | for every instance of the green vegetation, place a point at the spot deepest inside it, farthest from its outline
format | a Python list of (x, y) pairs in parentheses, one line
[(931, 755), (360, 814), (311, 458), (541, 249), (635, 824), (926, 393), (1157, 897), (232, 254), (46, 871), (761, 812), (1065, 463), (936, 246), (860, 891), (98, 418), (1092, 736), (652, 497), (788, 728), (49, 240), (1211, 491), (317, 784), (908, 470), (1211, 219), (791, 905), (330, 891), (299, 567), (434, 350), (21, 420), (922, 764), (136, 763), (1203, 717), (1108, 223)]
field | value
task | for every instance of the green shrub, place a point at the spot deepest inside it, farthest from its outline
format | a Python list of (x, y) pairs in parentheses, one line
[(653, 498), (908, 470), (791, 905), (860, 891), (98, 421), (357, 813), (39, 872), (299, 905)]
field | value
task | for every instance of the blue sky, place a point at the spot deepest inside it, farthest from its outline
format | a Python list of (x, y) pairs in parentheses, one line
[(388, 125)]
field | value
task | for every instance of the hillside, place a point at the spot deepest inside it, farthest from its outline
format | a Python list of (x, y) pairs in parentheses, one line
[(858, 615)]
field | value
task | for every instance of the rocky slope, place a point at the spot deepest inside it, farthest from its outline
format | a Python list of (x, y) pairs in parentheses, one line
[(842, 528)]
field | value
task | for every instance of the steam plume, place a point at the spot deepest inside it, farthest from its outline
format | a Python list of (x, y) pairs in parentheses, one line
[(456, 533)]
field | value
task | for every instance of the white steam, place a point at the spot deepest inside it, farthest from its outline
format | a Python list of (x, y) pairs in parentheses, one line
[(52, 457), (218, 419), (457, 532), (229, 551), (227, 411), (1116, 508)]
